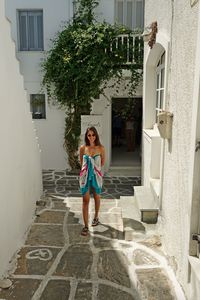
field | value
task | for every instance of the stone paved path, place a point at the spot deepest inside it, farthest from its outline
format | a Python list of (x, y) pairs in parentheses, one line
[(57, 263)]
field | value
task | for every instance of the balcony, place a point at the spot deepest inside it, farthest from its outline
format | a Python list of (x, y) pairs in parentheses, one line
[(129, 47)]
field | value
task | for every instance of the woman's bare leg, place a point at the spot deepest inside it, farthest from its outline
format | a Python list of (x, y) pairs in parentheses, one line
[(85, 206), (97, 204)]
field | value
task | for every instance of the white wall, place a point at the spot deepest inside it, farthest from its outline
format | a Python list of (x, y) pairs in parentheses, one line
[(179, 25), (50, 130), (20, 169), (106, 11)]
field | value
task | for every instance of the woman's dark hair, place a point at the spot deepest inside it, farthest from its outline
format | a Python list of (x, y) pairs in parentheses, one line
[(97, 141)]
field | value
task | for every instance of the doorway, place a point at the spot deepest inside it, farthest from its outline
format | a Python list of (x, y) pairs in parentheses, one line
[(126, 131)]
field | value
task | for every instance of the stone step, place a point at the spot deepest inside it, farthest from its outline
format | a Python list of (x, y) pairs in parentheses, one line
[(132, 226), (124, 171), (147, 203)]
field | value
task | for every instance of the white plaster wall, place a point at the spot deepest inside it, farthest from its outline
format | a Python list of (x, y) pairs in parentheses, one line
[(50, 130), (181, 81), (151, 159), (51, 135), (102, 107), (106, 11), (179, 102), (146, 159), (20, 169)]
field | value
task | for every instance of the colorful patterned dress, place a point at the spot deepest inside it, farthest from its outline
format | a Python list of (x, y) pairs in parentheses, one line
[(90, 175)]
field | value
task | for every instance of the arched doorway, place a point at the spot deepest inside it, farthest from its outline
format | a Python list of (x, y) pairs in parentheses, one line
[(155, 82)]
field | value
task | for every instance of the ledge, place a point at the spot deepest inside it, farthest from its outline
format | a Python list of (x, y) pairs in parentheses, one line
[(151, 133)]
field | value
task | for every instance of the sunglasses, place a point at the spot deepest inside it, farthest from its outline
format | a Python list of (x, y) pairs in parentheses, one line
[(89, 135)]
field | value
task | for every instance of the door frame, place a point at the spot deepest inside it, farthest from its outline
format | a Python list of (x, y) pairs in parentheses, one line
[(194, 172)]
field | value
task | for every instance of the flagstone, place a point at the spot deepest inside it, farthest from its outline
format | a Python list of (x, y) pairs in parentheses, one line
[(73, 218), (76, 262), (102, 243), (113, 231), (50, 216), (74, 234), (49, 183), (83, 291), (141, 257), (59, 204), (93, 267), (73, 181), (106, 292), (56, 290), (61, 181), (158, 287), (51, 235), (22, 289), (35, 260), (74, 194), (112, 266)]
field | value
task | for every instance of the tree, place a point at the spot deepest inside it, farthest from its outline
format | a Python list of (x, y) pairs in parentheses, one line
[(80, 64)]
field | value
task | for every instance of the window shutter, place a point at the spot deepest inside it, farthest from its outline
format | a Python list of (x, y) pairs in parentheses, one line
[(129, 21), (31, 29), (120, 11), (75, 7), (40, 31), (35, 27), (139, 14), (23, 34)]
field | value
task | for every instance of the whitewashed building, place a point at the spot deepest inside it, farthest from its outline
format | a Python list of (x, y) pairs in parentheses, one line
[(171, 166), (20, 166), (34, 23)]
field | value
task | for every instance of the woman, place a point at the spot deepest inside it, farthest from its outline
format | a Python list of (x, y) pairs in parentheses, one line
[(92, 158)]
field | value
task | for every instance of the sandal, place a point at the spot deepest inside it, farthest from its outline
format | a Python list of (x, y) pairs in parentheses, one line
[(95, 222), (84, 231)]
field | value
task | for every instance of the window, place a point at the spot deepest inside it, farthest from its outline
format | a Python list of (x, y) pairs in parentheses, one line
[(160, 75), (37, 103), (75, 7), (30, 30), (130, 13)]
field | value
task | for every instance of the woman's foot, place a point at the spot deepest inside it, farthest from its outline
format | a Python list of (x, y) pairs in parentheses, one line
[(95, 222), (85, 231)]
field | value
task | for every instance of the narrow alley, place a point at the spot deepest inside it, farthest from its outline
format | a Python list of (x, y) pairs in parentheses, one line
[(57, 263)]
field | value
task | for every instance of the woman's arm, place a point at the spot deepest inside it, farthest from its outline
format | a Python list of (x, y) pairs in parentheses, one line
[(82, 150), (102, 156)]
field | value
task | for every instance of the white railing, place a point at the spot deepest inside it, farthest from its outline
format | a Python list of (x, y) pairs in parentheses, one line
[(131, 46)]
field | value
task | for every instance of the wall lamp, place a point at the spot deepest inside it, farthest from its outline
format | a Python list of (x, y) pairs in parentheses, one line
[(149, 34)]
